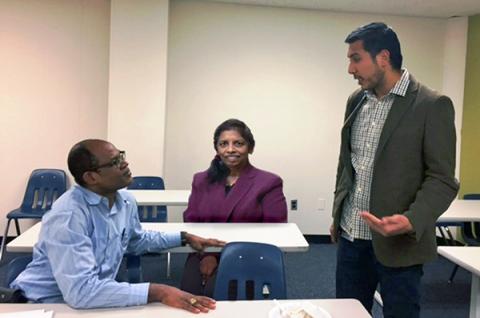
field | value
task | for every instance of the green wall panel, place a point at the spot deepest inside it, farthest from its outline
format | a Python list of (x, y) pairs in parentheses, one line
[(470, 148)]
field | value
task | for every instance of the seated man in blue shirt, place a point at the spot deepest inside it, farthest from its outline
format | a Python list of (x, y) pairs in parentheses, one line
[(86, 233)]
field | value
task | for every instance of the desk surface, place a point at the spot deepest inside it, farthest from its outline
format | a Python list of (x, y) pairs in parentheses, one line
[(286, 236), (467, 257), (462, 211), (161, 197), (338, 308)]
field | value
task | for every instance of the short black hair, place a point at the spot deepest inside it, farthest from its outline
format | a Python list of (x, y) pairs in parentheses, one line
[(378, 36), (81, 160)]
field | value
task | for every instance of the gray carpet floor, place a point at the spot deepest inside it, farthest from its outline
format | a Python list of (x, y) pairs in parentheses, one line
[(312, 275)]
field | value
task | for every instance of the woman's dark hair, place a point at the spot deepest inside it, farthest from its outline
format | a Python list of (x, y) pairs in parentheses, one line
[(378, 36), (218, 171), (81, 160)]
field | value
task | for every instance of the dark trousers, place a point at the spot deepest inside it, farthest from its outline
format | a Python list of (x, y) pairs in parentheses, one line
[(192, 278), (359, 272)]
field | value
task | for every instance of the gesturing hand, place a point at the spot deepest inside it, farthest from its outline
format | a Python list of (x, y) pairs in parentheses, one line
[(177, 298), (199, 243), (388, 225)]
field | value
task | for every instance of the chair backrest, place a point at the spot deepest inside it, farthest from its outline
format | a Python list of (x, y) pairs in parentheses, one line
[(15, 267), (253, 270), (157, 213), (43, 188), (471, 196)]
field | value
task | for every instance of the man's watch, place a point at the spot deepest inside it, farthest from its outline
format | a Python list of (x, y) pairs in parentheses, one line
[(183, 238)]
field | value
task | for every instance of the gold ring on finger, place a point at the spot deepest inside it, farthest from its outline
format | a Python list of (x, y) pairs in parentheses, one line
[(192, 301)]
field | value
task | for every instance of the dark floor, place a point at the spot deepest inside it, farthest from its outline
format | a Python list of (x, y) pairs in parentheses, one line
[(312, 275)]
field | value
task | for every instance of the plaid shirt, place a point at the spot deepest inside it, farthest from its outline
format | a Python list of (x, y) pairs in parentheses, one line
[(366, 131)]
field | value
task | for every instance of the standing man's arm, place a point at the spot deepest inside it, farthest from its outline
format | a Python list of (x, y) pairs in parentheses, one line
[(353, 101)]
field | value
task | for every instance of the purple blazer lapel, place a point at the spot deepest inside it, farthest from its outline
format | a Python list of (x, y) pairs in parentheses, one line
[(239, 190)]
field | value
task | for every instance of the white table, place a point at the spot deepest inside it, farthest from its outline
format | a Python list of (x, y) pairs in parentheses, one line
[(161, 197), (286, 236), (462, 211), (459, 211), (467, 257), (338, 308)]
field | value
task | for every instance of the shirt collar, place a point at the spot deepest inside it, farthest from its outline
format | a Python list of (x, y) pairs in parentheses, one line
[(95, 199), (400, 87)]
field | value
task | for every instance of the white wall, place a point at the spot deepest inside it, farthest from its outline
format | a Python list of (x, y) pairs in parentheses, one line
[(53, 86), (284, 72), (138, 61), (454, 72)]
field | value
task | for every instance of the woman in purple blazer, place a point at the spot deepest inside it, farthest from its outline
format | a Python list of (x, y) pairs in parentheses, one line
[(231, 190)]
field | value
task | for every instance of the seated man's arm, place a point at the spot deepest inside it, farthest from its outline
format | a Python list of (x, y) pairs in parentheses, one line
[(142, 241), (82, 281)]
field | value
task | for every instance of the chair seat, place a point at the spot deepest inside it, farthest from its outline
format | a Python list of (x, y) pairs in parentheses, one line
[(19, 214)]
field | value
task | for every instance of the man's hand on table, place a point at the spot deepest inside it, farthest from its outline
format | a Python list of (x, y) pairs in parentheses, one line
[(199, 243), (177, 298)]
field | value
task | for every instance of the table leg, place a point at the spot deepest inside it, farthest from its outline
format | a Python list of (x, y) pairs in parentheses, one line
[(475, 298)]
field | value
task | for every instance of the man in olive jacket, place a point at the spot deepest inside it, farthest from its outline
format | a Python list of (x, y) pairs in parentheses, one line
[(395, 176)]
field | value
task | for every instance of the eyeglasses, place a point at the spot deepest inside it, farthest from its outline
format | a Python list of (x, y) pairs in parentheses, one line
[(115, 162)]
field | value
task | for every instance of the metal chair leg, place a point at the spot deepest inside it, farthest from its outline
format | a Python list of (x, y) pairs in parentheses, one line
[(442, 234), (17, 226), (4, 240), (168, 265), (450, 236), (452, 275)]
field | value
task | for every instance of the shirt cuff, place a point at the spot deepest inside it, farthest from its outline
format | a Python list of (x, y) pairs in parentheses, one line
[(174, 239), (138, 294)]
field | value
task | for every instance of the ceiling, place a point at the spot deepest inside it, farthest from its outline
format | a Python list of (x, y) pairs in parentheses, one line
[(419, 8)]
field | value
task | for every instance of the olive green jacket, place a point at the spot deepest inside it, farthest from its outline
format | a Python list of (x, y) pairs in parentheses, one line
[(413, 171)]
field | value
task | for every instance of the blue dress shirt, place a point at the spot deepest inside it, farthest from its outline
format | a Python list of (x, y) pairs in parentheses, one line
[(80, 248)]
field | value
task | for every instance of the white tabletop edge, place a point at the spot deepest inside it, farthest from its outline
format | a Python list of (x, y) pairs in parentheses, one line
[(467, 257), (293, 242)]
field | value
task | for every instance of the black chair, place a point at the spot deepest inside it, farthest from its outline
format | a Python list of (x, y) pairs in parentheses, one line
[(43, 188), (250, 271), (470, 232), (15, 267), (156, 213)]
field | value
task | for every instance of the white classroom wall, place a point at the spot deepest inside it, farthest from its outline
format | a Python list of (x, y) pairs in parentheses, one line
[(137, 85), (284, 72), (77, 69), (53, 86)]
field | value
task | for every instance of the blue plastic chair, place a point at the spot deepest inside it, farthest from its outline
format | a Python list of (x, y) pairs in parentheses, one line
[(470, 232), (156, 213), (43, 188), (15, 267), (254, 270)]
